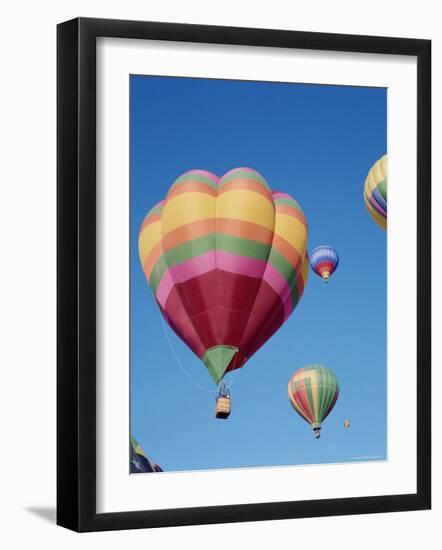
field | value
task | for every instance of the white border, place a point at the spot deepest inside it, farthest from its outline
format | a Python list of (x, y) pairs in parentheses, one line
[(116, 490)]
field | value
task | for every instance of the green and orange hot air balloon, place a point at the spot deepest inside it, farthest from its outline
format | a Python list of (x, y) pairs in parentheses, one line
[(226, 260), (313, 391)]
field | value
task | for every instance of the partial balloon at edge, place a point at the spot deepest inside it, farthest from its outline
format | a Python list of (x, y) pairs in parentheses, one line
[(375, 191), (139, 462)]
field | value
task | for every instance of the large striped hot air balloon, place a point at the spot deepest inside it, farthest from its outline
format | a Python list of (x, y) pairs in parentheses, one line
[(313, 392), (226, 261), (324, 261), (375, 191)]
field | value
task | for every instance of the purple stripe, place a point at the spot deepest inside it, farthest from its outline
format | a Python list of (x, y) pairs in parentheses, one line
[(376, 206), (380, 199)]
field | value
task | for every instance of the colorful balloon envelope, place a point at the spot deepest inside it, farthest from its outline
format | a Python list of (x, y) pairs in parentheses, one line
[(324, 261), (139, 463), (375, 191), (313, 391), (226, 260)]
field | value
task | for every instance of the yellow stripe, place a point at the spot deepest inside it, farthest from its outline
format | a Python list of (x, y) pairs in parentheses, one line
[(150, 237), (292, 230), (246, 206), (377, 173), (305, 270), (187, 208)]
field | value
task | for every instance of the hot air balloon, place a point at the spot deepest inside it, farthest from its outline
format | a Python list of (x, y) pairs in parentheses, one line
[(226, 261), (324, 261), (313, 391), (375, 191), (346, 423), (139, 463)]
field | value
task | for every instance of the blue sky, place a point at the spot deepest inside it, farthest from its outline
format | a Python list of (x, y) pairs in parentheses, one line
[(316, 143)]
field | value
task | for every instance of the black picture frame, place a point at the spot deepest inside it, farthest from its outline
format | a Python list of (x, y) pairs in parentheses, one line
[(76, 274)]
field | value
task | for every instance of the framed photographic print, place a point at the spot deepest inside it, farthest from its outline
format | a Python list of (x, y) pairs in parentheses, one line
[(243, 330)]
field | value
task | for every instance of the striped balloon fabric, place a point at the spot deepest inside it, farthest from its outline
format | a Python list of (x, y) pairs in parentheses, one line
[(324, 261), (313, 391), (375, 191), (139, 463), (226, 261)]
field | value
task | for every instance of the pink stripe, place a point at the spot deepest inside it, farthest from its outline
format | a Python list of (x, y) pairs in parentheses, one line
[(279, 195), (194, 267), (203, 264), (164, 288), (240, 264), (277, 282)]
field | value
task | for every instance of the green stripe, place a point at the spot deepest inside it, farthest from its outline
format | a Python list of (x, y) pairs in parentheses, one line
[(157, 273), (288, 202), (284, 267), (325, 392), (226, 243), (328, 389), (155, 210), (218, 241), (244, 175), (190, 249), (193, 177), (382, 186), (308, 386)]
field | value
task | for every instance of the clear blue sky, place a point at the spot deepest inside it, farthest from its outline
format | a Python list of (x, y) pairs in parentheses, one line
[(316, 143)]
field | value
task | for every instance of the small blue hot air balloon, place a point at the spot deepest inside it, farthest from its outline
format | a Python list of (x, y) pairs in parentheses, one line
[(324, 260)]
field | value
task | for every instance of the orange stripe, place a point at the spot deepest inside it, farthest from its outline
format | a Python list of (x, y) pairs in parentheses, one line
[(248, 185), (152, 259), (191, 187), (235, 228), (285, 209), (287, 250), (150, 219), (244, 230), (187, 232)]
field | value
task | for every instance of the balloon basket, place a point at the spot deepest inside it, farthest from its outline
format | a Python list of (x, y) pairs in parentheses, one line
[(317, 433), (223, 408)]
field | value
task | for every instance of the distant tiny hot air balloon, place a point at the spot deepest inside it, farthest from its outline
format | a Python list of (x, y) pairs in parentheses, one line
[(226, 260), (324, 260), (313, 391), (346, 423), (375, 191)]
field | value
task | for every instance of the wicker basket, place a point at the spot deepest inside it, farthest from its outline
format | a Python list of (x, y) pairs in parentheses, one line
[(222, 409)]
